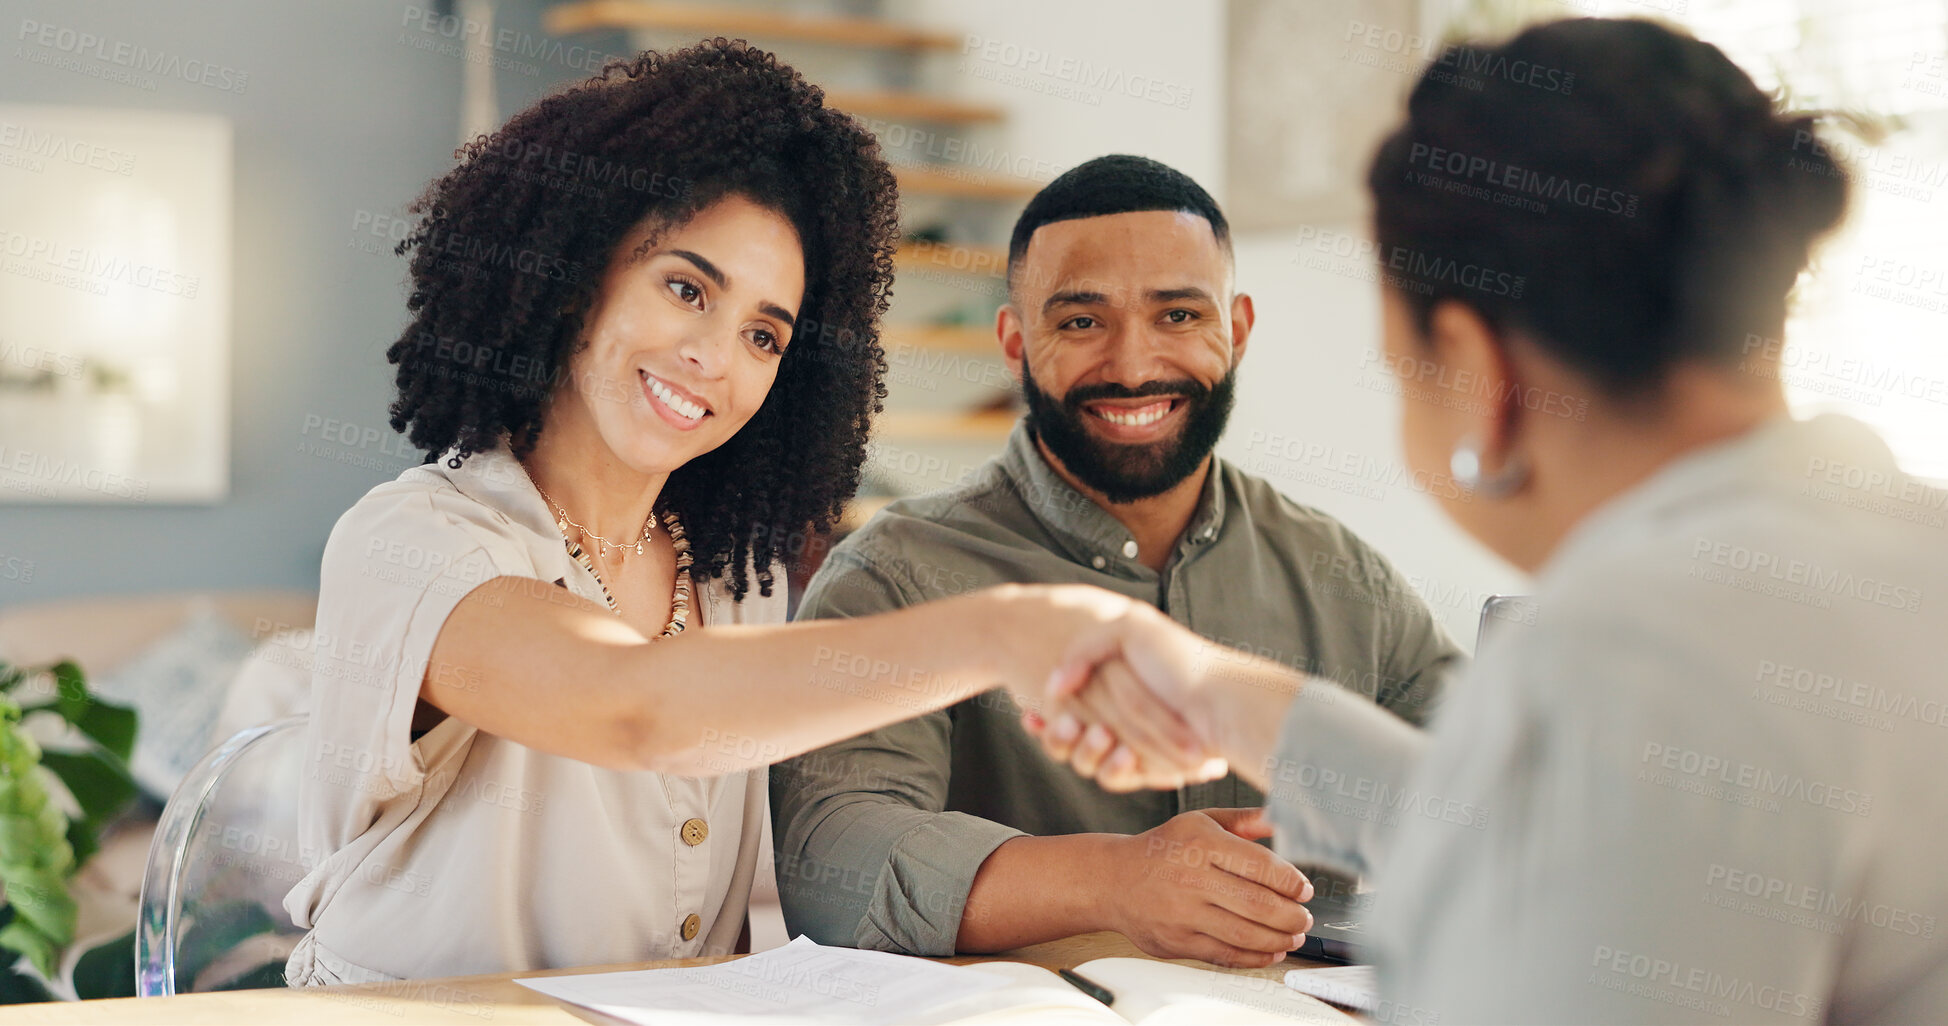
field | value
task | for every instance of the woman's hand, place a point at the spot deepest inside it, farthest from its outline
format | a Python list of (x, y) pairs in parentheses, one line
[(1123, 735), (1121, 692), (1155, 748), (1130, 685)]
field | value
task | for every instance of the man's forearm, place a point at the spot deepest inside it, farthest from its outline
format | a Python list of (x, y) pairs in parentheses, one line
[(1034, 889)]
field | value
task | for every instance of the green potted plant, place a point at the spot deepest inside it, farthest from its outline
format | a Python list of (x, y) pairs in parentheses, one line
[(44, 835)]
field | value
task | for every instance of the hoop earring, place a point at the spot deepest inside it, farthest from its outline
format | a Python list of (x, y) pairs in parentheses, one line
[(1465, 467)]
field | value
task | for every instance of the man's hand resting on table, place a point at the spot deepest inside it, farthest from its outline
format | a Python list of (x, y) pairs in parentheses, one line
[(1199, 887)]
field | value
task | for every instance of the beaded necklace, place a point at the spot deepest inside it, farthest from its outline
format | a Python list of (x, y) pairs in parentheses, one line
[(679, 596)]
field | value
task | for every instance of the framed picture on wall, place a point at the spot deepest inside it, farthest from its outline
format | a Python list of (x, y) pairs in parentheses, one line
[(114, 305)]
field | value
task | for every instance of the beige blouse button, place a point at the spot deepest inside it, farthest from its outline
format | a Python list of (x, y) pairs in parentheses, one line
[(694, 831), (1129, 548), (690, 926)]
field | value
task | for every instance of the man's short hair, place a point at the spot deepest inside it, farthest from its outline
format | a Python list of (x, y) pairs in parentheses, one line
[(1116, 184)]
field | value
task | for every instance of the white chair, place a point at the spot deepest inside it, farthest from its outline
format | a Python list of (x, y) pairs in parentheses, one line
[(224, 855)]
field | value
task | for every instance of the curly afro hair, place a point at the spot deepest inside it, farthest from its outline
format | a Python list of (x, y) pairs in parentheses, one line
[(511, 244)]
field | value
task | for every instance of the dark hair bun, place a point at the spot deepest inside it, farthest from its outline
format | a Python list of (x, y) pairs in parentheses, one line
[(1642, 194), (1813, 187)]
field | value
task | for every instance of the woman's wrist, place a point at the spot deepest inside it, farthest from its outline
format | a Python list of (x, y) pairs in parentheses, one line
[(982, 633), (1246, 713)]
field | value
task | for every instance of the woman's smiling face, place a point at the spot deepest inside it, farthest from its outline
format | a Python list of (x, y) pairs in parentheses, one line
[(683, 340)]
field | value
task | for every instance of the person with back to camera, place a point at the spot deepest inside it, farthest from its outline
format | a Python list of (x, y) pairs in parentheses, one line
[(1662, 802), (642, 361)]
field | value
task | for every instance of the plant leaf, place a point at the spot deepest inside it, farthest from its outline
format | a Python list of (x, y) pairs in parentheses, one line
[(111, 725), (70, 690), (103, 971), (100, 783), (21, 936), (82, 841), (20, 988), (40, 899), (18, 834)]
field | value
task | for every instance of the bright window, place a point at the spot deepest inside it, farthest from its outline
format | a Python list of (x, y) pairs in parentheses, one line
[(1869, 335)]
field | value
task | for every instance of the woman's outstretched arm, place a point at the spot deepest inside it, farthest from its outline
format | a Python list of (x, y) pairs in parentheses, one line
[(522, 659)]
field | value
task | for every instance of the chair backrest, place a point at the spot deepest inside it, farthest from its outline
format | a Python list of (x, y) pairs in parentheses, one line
[(1504, 610), (225, 853)]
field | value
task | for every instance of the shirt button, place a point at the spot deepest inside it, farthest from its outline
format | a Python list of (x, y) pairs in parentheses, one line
[(1129, 548), (1098, 562), (694, 831), (691, 924)]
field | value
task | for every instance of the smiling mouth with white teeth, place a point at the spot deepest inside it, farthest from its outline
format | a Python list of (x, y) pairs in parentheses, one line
[(668, 397), (1135, 416)]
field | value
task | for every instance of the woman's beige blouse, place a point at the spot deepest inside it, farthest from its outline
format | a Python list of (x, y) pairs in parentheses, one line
[(464, 852)]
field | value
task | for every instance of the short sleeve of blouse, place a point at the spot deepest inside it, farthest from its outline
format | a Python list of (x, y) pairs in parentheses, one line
[(396, 565)]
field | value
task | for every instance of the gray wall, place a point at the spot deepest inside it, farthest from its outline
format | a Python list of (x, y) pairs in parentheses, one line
[(341, 113)]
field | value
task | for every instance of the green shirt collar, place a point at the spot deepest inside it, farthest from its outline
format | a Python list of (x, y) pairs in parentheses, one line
[(1086, 531)]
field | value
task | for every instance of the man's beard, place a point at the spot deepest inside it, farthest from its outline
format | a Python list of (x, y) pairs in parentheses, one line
[(1124, 472)]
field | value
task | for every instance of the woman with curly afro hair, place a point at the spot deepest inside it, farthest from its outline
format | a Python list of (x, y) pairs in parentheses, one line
[(643, 362)]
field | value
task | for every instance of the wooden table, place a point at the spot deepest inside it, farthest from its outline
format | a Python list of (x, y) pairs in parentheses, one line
[(480, 1000)]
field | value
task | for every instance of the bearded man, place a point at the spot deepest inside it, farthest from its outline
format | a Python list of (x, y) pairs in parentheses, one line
[(952, 831)]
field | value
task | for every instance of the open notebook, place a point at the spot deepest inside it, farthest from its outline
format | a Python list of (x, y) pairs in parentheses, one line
[(804, 982)]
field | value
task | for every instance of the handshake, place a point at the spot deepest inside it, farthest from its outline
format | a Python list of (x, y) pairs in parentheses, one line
[(1138, 701)]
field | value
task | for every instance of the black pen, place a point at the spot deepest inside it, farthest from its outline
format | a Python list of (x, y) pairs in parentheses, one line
[(1088, 986)]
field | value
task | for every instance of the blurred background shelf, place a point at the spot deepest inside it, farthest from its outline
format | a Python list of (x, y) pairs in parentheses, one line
[(952, 257), (594, 15), (887, 103), (955, 338), (959, 183), (930, 426)]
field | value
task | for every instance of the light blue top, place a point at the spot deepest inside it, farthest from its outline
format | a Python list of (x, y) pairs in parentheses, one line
[(1710, 784)]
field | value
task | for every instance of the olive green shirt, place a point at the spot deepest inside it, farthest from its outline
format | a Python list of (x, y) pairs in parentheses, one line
[(879, 837)]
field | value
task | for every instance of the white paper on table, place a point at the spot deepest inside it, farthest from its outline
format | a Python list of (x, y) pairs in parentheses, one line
[(1351, 985), (802, 981)]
